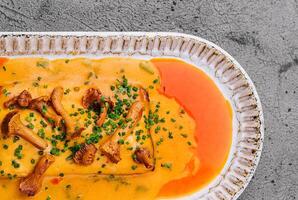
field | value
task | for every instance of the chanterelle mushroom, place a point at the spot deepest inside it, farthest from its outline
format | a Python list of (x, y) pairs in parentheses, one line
[(40, 104), (94, 99), (12, 125), (71, 129), (85, 155), (31, 184), (23, 100), (102, 116), (91, 97), (111, 147), (144, 96), (143, 156)]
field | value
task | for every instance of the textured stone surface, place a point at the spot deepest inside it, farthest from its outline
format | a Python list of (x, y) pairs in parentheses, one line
[(261, 35)]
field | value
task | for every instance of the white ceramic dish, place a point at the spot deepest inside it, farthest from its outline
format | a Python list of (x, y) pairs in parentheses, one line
[(233, 81)]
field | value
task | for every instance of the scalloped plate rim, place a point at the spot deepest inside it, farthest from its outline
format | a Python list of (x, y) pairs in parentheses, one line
[(175, 34)]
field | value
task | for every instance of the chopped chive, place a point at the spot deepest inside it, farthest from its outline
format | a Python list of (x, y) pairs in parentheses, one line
[(68, 186), (170, 135), (35, 84), (5, 92), (166, 165), (67, 91), (42, 63), (159, 141), (155, 81), (90, 74), (15, 164), (135, 89), (120, 141), (30, 125), (41, 133), (44, 125), (55, 151), (157, 129), (15, 139), (18, 152)]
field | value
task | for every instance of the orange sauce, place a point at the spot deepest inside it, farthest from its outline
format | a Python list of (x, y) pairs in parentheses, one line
[(197, 93), (2, 61)]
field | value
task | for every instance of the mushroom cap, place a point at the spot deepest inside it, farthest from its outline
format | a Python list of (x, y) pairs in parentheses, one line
[(12, 125), (91, 96), (24, 99), (86, 154), (111, 150), (39, 102), (8, 123)]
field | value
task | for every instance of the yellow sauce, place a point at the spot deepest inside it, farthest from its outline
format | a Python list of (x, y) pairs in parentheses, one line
[(191, 159)]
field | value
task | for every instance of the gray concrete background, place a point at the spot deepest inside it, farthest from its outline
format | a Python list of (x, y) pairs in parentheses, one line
[(261, 34)]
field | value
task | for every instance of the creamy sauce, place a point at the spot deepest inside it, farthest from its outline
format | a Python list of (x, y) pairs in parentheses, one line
[(190, 148)]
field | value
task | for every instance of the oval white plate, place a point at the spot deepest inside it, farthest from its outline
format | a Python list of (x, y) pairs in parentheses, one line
[(233, 81)]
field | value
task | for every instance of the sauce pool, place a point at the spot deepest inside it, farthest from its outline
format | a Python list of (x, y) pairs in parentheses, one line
[(201, 98)]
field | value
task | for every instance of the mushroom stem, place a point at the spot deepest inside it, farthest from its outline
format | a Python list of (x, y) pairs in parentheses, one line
[(102, 116), (40, 105), (12, 125), (31, 184), (111, 147), (71, 129)]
